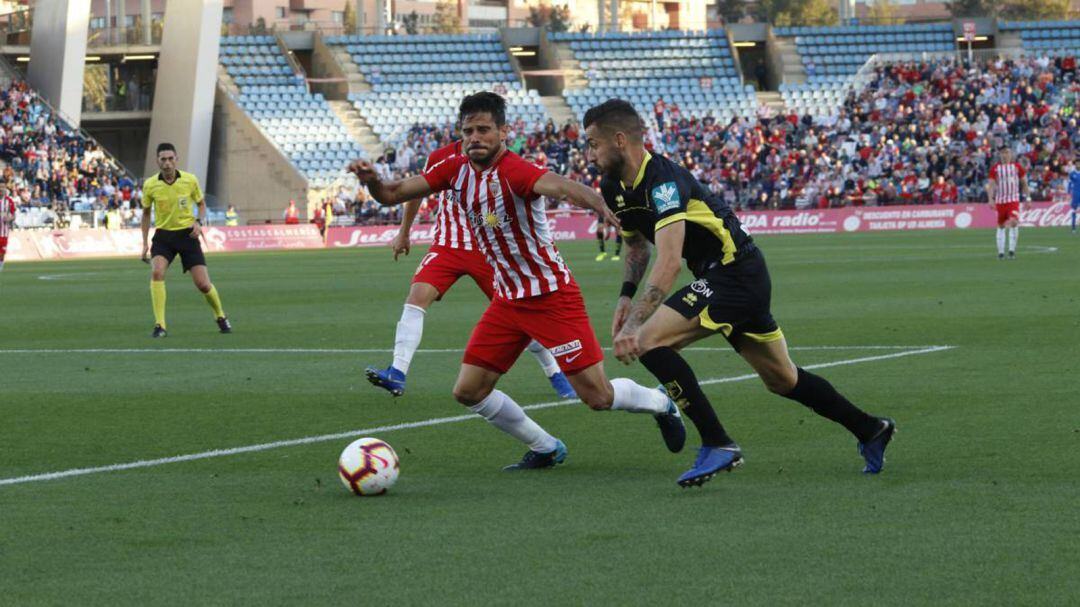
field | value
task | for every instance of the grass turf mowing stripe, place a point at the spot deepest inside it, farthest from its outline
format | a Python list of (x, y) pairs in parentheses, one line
[(390, 428)]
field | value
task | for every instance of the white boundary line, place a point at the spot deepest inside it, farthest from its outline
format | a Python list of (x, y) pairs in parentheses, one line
[(365, 350), (149, 463)]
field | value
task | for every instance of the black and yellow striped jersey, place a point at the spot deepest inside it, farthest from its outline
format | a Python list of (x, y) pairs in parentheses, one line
[(664, 193)]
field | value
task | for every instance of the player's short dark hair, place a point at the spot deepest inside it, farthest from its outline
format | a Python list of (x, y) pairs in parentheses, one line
[(166, 147), (484, 101), (614, 116)]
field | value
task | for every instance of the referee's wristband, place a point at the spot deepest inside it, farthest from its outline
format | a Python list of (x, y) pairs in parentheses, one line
[(628, 289)]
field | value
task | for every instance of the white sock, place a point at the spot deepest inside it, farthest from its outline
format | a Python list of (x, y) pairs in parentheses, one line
[(407, 339), (544, 357), (630, 396), (1001, 241), (1014, 235), (502, 412)]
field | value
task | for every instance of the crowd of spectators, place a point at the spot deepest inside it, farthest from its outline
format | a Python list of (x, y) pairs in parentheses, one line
[(918, 133), (51, 166)]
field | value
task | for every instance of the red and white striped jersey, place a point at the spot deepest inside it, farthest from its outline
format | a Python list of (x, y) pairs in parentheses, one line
[(1007, 179), (508, 221), (451, 229), (7, 215)]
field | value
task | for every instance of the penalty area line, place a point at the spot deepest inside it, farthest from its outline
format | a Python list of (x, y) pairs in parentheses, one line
[(308, 440)]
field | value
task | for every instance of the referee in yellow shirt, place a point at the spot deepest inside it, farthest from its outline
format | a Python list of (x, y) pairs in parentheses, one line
[(171, 195)]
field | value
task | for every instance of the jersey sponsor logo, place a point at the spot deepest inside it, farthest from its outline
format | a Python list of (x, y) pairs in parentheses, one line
[(488, 220), (700, 286), (567, 348), (665, 197)]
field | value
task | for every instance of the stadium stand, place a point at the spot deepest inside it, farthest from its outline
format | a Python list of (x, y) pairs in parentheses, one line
[(423, 78), (832, 56), (1045, 36), (694, 70), (828, 52), (300, 123), (52, 168)]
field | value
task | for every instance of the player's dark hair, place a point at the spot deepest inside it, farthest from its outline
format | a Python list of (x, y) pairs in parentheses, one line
[(616, 116), (484, 101), (166, 147)]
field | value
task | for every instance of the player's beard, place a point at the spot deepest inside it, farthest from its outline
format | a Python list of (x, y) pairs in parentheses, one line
[(614, 168), (487, 158)]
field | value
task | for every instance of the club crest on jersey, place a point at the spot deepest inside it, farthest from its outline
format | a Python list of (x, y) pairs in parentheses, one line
[(493, 188), (665, 197), (182, 201)]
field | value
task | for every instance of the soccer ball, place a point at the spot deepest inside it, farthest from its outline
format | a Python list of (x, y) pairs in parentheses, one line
[(368, 466)]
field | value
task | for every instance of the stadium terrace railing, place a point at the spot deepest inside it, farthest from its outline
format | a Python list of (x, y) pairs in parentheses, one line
[(957, 55), (124, 36)]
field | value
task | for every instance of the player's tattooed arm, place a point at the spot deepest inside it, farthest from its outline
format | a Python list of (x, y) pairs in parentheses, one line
[(637, 262), (661, 278), (637, 257)]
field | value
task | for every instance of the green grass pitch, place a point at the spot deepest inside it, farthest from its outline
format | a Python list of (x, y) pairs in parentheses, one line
[(977, 505)]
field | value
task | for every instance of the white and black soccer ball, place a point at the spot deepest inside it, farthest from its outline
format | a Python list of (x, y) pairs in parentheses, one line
[(368, 466)]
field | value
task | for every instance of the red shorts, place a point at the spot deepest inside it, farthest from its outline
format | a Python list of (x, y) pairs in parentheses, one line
[(1007, 211), (557, 320), (442, 266), (3, 246)]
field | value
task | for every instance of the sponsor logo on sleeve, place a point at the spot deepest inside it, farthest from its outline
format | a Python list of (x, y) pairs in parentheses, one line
[(666, 197)]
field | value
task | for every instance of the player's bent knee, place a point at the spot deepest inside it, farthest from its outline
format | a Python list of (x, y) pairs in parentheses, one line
[(470, 395), (780, 382), (597, 399)]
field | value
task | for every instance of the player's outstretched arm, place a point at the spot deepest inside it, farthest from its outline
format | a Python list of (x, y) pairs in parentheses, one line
[(389, 193), (580, 195)]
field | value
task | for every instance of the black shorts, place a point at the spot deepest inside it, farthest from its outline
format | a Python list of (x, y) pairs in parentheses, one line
[(170, 243), (733, 300)]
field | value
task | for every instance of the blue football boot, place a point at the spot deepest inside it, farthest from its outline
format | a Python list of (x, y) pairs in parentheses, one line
[(671, 425), (562, 386), (873, 450), (535, 460), (389, 379), (710, 461)]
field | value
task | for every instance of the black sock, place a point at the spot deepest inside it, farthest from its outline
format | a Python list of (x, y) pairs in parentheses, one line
[(682, 385), (600, 239), (618, 245), (818, 394)]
